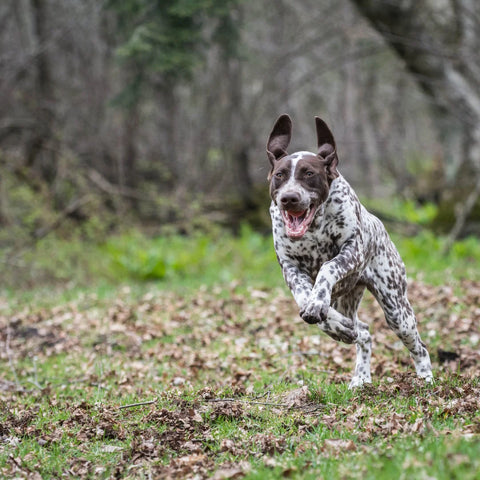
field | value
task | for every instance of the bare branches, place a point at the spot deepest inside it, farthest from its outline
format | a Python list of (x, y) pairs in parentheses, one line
[(202, 135), (105, 186), (72, 207), (441, 65)]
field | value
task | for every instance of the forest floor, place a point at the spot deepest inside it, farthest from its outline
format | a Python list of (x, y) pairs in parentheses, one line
[(228, 382)]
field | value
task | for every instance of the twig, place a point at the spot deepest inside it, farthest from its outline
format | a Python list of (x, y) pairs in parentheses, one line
[(139, 404), (306, 408), (263, 395), (103, 184), (251, 402), (314, 408), (35, 384)]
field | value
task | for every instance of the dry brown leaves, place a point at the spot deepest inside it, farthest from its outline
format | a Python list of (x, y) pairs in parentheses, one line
[(214, 347)]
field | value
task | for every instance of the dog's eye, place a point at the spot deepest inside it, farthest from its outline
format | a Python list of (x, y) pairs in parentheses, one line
[(279, 175), (309, 174)]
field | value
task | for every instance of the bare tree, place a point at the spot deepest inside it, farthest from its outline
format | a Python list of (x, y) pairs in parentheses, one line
[(200, 132), (440, 45), (40, 148)]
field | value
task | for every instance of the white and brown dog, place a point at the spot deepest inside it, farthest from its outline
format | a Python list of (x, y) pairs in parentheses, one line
[(330, 249)]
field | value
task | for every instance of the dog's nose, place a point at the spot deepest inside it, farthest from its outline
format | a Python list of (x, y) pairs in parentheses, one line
[(289, 200)]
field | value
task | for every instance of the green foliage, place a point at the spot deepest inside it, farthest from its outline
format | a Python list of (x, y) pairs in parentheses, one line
[(423, 257), (28, 209), (404, 210), (223, 257), (166, 38), (199, 258), (142, 259), (421, 214), (204, 259)]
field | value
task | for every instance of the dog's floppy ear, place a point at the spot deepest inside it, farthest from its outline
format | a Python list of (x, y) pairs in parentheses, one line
[(327, 151), (279, 139)]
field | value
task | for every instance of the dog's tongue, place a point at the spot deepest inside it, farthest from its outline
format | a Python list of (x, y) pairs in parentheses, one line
[(297, 214), (295, 223), (296, 219)]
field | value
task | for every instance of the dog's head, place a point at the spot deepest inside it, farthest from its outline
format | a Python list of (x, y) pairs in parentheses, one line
[(300, 182)]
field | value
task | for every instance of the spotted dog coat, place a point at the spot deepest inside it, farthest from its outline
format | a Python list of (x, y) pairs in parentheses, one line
[(330, 249)]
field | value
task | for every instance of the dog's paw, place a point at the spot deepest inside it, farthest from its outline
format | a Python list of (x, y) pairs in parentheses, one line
[(358, 381), (311, 319), (428, 378), (314, 312)]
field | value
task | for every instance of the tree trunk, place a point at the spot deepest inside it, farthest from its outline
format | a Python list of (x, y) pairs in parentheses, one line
[(4, 209), (441, 51), (239, 141), (236, 143), (127, 172), (39, 150), (172, 160), (348, 98)]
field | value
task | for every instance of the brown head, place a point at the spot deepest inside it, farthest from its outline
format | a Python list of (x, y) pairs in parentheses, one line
[(300, 182)]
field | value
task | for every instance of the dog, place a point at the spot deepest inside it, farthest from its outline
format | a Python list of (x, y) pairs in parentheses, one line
[(330, 249)]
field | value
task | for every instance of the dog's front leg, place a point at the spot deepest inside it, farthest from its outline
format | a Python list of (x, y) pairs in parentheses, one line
[(336, 325), (298, 282), (349, 260)]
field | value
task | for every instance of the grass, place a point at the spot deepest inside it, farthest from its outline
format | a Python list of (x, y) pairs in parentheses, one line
[(181, 262), (231, 383), (402, 459)]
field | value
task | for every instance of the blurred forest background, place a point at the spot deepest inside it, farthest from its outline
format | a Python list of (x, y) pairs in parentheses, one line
[(152, 115)]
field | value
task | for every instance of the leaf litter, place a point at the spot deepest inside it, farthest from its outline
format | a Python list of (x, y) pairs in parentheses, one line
[(218, 365)]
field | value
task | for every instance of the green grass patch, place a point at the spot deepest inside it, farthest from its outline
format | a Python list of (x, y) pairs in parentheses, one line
[(175, 260), (228, 381), (202, 334), (400, 210), (179, 262), (423, 257)]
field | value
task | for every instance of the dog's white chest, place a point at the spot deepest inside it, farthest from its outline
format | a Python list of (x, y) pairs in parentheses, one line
[(307, 253)]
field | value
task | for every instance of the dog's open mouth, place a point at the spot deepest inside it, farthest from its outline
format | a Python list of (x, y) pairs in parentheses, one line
[(297, 223)]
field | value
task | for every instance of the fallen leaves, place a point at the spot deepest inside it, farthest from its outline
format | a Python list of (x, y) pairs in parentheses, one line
[(206, 359), (298, 397), (338, 446)]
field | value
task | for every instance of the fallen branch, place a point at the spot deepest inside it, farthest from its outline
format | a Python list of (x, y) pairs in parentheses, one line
[(251, 402), (139, 404), (308, 408)]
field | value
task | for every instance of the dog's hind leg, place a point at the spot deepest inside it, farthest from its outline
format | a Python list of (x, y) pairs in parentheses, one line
[(404, 324), (401, 319), (348, 306)]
